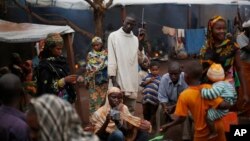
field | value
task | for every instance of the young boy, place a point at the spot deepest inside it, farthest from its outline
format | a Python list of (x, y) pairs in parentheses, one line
[(150, 86), (222, 88)]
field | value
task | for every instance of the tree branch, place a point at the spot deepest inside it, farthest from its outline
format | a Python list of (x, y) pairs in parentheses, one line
[(91, 4), (58, 22), (109, 3)]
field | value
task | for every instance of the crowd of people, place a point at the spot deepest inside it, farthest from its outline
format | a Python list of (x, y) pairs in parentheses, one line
[(36, 103)]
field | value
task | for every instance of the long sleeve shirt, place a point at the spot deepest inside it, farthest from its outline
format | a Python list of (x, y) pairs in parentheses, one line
[(223, 89), (150, 91), (123, 60), (13, 126), (168, 92)]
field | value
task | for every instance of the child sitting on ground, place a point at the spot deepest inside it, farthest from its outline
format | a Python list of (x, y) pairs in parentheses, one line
[(150, 86), (222, 88)]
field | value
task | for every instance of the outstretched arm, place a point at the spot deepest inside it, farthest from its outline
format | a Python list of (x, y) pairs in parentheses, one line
[(177, 120)]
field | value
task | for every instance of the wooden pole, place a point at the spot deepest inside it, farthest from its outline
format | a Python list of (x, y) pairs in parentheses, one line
[(123, 13), (189, 16), (68, 42)]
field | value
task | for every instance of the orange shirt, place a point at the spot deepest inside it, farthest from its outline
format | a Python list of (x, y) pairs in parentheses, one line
[(191, 100)]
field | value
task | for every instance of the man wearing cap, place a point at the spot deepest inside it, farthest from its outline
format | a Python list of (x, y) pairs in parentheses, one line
[(123, 61)]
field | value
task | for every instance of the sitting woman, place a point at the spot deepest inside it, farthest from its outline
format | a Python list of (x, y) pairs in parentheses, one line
[(113, 122)]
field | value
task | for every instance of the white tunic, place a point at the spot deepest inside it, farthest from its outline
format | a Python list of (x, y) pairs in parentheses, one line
[(123, 61)]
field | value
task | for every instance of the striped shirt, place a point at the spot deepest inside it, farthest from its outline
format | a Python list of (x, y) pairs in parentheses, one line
[(223, 89), (150, 91)]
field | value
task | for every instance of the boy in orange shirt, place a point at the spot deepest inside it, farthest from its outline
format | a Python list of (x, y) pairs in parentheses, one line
[(191, 100)]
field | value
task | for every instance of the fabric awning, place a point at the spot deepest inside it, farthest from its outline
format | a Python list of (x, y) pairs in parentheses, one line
[(11, 32)]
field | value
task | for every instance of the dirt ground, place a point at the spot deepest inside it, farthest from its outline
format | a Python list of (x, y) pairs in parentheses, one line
[(174, 134)]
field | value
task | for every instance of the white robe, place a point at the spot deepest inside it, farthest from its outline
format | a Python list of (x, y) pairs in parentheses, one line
[(123, 61)]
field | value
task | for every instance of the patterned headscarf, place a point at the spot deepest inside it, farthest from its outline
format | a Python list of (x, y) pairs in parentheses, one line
[(96, 40), (210, 26), (58, 120), (53, 39), (99, 117), (223, 54)]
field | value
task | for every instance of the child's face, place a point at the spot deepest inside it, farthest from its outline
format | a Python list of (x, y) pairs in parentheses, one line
[(97, 46), (154, 70)]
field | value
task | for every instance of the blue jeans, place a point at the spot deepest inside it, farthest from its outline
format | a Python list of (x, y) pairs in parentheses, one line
[(117, 135)]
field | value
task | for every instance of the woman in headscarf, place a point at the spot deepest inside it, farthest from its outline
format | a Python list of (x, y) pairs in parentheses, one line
[(53, 71), (221, 50), (96, 77), (52, 119), (113, 121)]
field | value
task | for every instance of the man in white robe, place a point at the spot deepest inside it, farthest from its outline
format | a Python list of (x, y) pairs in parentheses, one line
[(123, 61)]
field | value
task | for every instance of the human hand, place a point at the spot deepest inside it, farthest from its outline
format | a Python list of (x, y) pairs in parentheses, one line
[(70, 79), (164, 128), (80, 79), (165, 110), (170, 109), (89, 128), (108, 117), (145, 125), (152, 79), (141, 37)]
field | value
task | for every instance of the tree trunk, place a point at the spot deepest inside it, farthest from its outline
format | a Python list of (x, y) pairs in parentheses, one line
[(98, 20)]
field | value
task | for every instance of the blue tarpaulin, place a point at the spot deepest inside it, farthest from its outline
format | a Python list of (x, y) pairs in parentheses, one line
[(194, 40)]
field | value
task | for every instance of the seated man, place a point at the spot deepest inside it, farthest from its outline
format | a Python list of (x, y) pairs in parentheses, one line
[(13, 124), (113, 121), (171, 85), (190, 100)]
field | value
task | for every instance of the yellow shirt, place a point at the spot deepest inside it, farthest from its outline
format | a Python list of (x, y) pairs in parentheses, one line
[(191, 100)]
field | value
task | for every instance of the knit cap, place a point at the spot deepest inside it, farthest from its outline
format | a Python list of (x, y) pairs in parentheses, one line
[(216, 73), (96, 40)]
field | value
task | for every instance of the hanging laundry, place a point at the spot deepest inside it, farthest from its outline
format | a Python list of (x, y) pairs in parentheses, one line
[(181, 33), (180, 45), (169, 31)]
